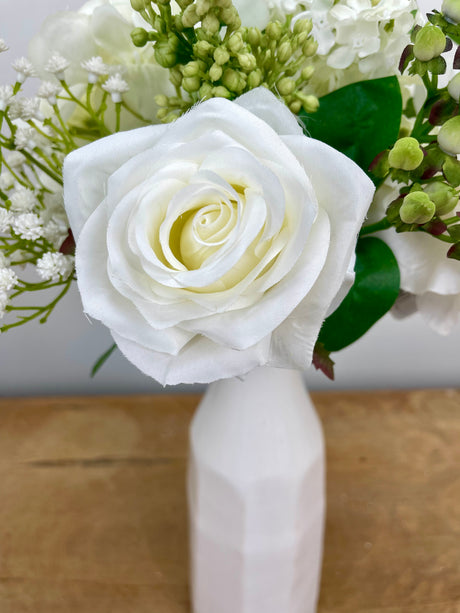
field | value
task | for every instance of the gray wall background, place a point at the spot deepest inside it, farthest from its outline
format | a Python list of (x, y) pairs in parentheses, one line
[(56, 358)]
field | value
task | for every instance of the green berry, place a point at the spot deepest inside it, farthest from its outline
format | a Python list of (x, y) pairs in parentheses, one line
[(430, 42), (406, 154), (449, 136), (444, 197), (417, 208)]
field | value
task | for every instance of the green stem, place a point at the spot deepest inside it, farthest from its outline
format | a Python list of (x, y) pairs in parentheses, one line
[(134, 113), (383, 224), (45, 169), (117, 116), (18, 179), (44, 311), (89, 89), (65, 130)]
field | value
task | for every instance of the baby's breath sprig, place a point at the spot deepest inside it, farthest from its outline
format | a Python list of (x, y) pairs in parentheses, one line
[(36, 133), (209, 54)]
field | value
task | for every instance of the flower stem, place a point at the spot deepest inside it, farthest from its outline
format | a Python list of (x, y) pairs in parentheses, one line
[(383, 224)]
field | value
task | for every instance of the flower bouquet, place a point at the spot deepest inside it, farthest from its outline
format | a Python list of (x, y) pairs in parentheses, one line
[(239, 190)]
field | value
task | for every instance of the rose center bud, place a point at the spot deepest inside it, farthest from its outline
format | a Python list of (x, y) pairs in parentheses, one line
[(205, 231), (212, 228)]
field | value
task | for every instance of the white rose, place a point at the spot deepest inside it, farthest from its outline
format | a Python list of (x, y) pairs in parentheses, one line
[(103, 28), (217, 243), (430, 281)]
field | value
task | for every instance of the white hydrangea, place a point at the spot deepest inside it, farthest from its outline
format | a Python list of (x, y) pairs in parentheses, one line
[(6, 94), (116, 86), (3, 46), (22, 199), (6, 219), (8, 279), (96, 67), (357, 39), (54, 266), (57, 65), (23, 68), (28, 226)]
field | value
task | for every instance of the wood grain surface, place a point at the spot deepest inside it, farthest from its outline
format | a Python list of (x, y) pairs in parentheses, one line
[(93, 511)]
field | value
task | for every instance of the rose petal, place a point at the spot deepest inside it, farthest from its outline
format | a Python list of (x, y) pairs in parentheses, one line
[(274, 112), (102, 301), (345, 200), (441, 313), (87, 170), (242, 330), (201, 361)]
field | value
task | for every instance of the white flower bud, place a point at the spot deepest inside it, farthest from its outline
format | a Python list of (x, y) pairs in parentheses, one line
[(6, 94), (95, 67), (57, 64), (23, 68), (116, 86)]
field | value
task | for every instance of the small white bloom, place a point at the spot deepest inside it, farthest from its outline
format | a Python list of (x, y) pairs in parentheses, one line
[(27, 109), (4, 301), (6, 180), (56, 231), (22, 200), (6, 94), (57, 64), (8, 279), (15, 109), (16, 160), (115, 86), (3, 46), (95, 67), (23, 68), (28, 226), (4, 260), (6, 219), (55, 266), (25, 138), (48, 91)]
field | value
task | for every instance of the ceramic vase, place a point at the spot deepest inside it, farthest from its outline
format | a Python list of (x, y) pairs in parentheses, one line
[(256, 496)]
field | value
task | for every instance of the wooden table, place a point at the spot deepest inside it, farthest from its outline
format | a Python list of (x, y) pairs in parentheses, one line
[(93, 516)]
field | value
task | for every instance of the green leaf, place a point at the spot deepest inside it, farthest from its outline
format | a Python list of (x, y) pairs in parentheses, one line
[(360, 120), (103, 359), (374, 292), (454, 231)]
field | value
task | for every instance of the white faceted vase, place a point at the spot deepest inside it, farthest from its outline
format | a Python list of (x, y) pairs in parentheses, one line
[(256, 496)]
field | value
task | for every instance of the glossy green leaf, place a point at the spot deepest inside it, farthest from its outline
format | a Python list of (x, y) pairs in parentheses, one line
[(360, 120), (374, 292)]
